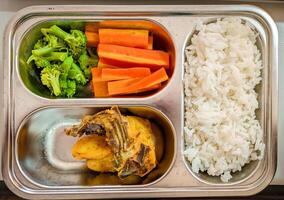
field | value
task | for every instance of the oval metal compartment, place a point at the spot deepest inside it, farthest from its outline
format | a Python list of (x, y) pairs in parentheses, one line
[(43, 151), (30, 75), (178, 180), (249, 169)]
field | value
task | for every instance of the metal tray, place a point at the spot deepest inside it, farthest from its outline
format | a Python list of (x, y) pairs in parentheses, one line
[(179, 181)]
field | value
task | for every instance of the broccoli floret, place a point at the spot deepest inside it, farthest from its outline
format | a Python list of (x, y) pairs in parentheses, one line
[(39, 61), (48, 44), (86, 63), (66, 66), (75, 73), (40, 44), (68, 88), (44, 61), (57, 56), (43, 51), (76, 40), (53, 41), (50, 78)]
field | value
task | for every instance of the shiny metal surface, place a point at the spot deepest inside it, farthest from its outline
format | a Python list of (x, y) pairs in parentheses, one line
[(43, 151), (179, 22)]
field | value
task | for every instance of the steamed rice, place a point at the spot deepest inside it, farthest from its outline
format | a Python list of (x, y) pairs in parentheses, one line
[(223, 66)]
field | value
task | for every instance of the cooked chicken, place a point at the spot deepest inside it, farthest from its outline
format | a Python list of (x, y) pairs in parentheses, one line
[(116, 143)]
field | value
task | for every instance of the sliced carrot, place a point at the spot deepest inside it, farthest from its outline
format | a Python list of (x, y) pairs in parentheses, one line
[(125, 73), (131, 81), (128, 24), (124, 37), (96, 74), (92, 27), (154, 87), (115, 87), (109, 63), (100, 87), (150, 42), (125, 83), (104, 64), (92, 39), (134, 56)]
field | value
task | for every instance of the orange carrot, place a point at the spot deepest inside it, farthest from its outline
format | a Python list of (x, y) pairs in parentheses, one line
[(96, 74), (150, 42), (154, 87), (103, 64), (134, 56), (126, 73), (92, 27), (126, 82), (131, 81), (124, 37), (128, 24), (109, 63), (92, 39), (115, 87), (100, 87)]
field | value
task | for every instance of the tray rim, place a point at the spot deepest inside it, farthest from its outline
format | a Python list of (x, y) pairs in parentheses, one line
[(29, 11)]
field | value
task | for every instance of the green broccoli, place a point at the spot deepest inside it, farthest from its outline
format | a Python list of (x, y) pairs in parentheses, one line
[(57, 56), (76, 40), (43, 51), (47, 44), (75, 73), (39, 61), (66, 66), (50, 78), (44, 61), (40, 44), (68, 87), (86, 63)]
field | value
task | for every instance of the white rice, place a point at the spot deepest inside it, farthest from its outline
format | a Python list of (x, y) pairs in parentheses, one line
[(222, 68)]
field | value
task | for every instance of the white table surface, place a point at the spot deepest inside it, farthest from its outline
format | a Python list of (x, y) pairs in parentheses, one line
[(9, 7)]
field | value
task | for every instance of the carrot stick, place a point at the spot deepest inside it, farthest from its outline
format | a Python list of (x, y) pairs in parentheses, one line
[(116, 88), (128, 24), (150, 42), (126, 73), (96, 74), (100, 87), (103, 64), (125, 37), (134, 56), (154, 87), (131, 81), (92, 27), (109, 63), (92, 39)]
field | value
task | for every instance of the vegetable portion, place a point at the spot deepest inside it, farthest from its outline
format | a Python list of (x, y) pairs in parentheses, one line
[(134, 56), (128, 62), (76, 39), (119, 57), (116, 88), (92, 38), (124, 37), (109, 74), (100, 88), (63, 60)]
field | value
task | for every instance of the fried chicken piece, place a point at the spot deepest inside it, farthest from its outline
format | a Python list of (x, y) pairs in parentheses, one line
[(127, 142)]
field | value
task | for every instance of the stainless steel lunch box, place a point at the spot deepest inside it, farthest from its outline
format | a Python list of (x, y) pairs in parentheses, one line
[(36, 155)]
